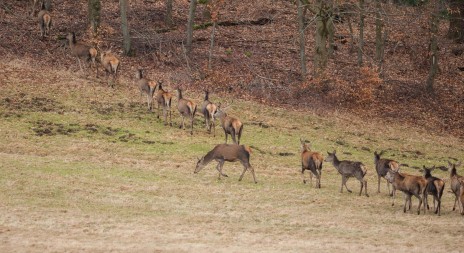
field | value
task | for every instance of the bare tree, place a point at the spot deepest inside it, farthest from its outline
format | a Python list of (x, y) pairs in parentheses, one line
[(456, 20), (191, 17), (361, 32), (433, 44), (168, 20), (125, 27), (94, 7), (379, 38), (301, 32)]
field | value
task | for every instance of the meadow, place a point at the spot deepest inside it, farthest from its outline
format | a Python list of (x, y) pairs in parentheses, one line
[(85, 168)]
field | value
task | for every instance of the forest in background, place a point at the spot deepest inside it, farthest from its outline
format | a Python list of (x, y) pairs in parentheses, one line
[(256, 52)]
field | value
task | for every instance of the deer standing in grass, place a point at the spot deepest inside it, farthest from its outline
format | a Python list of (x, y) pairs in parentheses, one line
[(186, 108), (231, 125), (410, 185), (382, 166), (146, 87), (227, 153), (434, 187), (349, 169), (311, 161), (455, 183), (164, 98), (209, 109), (45, 21), (81, 51), (461, 195), (110, 64)]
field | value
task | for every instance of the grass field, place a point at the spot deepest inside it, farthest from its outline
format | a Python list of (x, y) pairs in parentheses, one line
[(86, 168)]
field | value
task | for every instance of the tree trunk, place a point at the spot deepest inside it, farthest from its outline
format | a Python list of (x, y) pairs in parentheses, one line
[(191, 17), (301, 32), (94, 7), (48, 5), (168, 20), (211, 46), (456, 21), (379, 41), (433, 46), (126, 43), (361, 32)]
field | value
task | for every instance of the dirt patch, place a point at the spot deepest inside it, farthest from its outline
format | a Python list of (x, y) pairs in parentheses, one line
[(31, 104)]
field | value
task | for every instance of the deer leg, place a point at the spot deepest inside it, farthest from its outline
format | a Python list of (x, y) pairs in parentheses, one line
[(232, 133), (170, 119), (420, 203), (225, 132), (365, 188), (311, 178), (253, 173), (406, 198), (455, 200), (302, 174), (346, 179), (80, 65), (378, 183), (191, 131), (393, 198), (343, 181), (219, 169)]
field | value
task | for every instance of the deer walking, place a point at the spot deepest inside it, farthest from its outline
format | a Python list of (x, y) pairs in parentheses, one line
[(209, 109), (164, 98), (434, 187), (146, 87), (382, 166), (110, 64), (231, 125), (311, 161), (45, 21), (410, 185), (349, 169), (186, 108), (227, 153), (81, 51), (455, 182)]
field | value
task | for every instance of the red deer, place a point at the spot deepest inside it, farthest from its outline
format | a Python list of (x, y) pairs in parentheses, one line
[(382, 166), (186, 108), (454, 179), (435, 187), (349, 169), (146, 86), (461, 196), (409, 185), (81, 51), (209, 109), (110, 64), (45, 21), (230, 153), (231, 125), (311, 161), (164, 99)]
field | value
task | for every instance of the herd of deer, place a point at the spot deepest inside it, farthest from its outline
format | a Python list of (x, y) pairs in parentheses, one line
[(419, 186)]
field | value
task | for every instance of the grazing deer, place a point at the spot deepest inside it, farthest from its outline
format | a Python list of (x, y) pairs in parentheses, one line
[(349, 169), (461, 196), (382, 166), (231, 125), (409, 185), (45, 21), (311, 161), (81, 51), (454, 179), (209, 109), (145, 86), (110, 64), (435, 187), (164, 99), (230, 153), (187, 108)]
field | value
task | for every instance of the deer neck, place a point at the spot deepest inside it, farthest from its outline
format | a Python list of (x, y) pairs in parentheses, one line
[(179, 94), (206, 96), (208, 157), (336, 162)]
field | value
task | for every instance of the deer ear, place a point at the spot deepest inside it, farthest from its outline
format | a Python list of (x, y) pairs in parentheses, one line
[(458, 164), (335, 151)]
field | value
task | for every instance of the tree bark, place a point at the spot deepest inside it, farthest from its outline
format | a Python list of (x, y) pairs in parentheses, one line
[(379, 40), (433, 47), (168, 20), (211, 46), (456, 21), (361, 32), (94, 7), (322, 35), (191, 17), (124, 8), (301, 32), (48, 5)]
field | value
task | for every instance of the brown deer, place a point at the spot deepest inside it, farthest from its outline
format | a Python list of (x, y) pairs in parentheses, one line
[(110, 64), (461, 196), (382, 166), (81, 51), (164, 99), (349, 169), (209, 109), (186, 108), (45, 21), (231, 125), (454, 179), (230, 153), (146, 87), (409, 185), (311, 161), (434, 187)]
